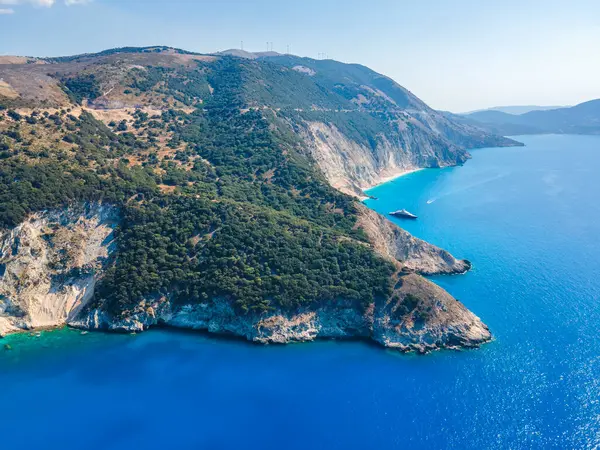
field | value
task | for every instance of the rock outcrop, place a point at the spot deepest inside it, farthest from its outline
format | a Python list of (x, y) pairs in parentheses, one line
[(359, 126), (422, 317), (338, 319), (414, 254), (49, 265)]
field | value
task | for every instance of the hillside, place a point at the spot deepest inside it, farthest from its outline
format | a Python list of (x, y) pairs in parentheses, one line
[(359, 126), (370, 128), (581, 119), (149, 186)]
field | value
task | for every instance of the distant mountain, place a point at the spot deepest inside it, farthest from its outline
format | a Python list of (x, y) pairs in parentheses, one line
[(238, 53), (516, 110), (267, 54), (581, 119)]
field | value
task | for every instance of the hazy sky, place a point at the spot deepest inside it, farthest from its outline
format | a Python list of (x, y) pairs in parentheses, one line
[(456, 55)]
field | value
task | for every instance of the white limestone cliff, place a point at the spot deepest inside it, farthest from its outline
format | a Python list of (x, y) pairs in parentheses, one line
[(49, 265)]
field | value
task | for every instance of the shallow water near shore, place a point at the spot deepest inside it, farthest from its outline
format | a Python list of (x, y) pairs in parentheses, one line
[(528, 219)]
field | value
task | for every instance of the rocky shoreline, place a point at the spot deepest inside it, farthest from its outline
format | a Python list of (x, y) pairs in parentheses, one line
[(402, 323), (51, 262)]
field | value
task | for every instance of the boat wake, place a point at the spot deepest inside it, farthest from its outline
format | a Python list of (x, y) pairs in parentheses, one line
[(467, 187)]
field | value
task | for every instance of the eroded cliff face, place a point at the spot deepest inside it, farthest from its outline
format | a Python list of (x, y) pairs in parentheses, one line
[(338, 319), (49, 265), (352, 167), (413, 254)]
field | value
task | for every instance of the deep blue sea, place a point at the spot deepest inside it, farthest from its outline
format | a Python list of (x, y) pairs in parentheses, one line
[(529, 220)]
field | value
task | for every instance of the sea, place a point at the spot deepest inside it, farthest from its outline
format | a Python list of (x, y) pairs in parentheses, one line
[(528, 218)]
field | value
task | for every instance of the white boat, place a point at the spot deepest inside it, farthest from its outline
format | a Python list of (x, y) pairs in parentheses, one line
[(404, 214)]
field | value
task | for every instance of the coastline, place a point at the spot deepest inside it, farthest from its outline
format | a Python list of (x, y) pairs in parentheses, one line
[(387, 179)]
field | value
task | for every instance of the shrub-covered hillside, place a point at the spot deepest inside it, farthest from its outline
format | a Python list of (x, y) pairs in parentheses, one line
[(216, 200)]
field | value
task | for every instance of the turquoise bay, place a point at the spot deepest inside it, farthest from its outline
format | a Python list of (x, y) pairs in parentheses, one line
[(529, 220)]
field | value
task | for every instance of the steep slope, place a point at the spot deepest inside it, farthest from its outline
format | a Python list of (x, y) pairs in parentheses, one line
[(414, 254), (423, 317), (359, 126), (581, 119), (362, 127), (225, 222), (50, 264)]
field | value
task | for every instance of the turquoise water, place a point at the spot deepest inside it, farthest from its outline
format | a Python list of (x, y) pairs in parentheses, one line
[(529, 220)]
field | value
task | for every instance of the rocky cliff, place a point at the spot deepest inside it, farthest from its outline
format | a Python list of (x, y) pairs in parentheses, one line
[(352, 166), (418, 140), (49, 265), (413, 254), (369, 128), (422, 317), (419, 317), (52, 261)]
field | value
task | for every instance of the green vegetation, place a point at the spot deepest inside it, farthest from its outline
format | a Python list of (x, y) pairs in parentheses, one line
[(196, 250), (33, 187), (273, 235), (408, 305), (35, 180), (82, 87), (189, 87), (14, 115), (216, 203)]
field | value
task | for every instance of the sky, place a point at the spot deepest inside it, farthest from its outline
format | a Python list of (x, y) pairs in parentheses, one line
[(456, 55)]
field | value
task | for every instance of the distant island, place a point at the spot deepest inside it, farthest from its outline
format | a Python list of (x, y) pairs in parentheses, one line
[(580, 119), (154, 186), (516, 110)]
